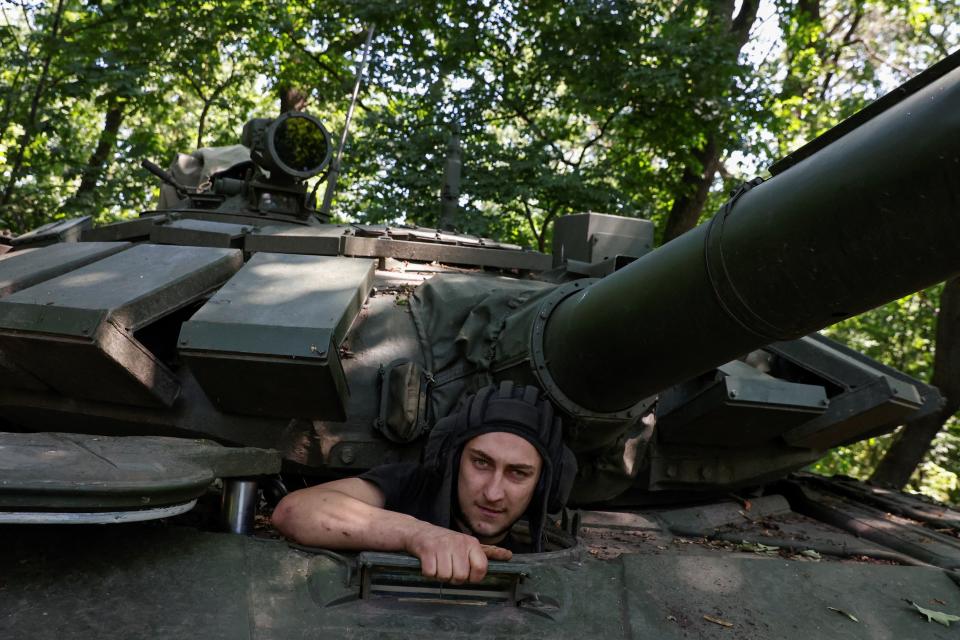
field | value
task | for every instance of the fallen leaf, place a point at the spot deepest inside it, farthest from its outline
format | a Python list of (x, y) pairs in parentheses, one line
[(757, 547), (938, 601), (722, 623), (810, 553), (672, 618), (841, 611), (935, 616)]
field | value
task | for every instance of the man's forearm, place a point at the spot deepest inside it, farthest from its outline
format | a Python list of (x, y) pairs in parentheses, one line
[(338, 521), (325, 516)]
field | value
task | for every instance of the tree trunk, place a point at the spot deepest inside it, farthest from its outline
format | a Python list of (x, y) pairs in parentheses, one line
[(698, 176), (10, 97), (916, 437), (217, 92), (542, 237), (30, 124), (696, 181), (203, 122), (98, 161), (292, 99)]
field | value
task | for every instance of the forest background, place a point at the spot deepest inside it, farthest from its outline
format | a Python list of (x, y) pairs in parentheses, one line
[(649, 109)]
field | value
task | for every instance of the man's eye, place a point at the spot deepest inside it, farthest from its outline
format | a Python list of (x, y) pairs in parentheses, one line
[(521, 475), (480, 462)]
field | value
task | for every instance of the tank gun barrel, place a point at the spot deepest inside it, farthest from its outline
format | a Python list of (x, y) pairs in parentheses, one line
[(870, 217)]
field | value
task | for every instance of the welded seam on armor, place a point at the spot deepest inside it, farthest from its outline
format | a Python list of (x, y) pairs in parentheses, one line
[(87, 449)]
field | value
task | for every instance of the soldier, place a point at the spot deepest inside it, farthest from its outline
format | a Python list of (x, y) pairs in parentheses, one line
[(498, 458)]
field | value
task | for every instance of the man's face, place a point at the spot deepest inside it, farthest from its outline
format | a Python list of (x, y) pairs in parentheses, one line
[(498, 474)]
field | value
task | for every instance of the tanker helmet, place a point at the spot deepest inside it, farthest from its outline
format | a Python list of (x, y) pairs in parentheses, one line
[(512, 409)]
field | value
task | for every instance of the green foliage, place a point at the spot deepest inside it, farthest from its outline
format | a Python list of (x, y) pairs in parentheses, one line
[(178, 73), (565, 107), (568, 107), (900, 334)]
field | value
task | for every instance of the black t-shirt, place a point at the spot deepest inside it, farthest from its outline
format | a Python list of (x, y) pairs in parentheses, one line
[(412, 489)]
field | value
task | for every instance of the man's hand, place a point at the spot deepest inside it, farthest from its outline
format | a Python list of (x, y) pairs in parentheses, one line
[(349, 514), (452, 557)]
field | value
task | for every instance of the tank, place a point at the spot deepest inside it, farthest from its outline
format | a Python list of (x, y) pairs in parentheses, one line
[(164, 380)]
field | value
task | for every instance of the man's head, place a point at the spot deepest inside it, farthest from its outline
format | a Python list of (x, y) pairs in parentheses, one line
[(502, 457), (498, 475)]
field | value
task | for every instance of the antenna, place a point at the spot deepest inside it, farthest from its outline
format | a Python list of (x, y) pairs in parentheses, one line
[(450, 191), (334, 172)]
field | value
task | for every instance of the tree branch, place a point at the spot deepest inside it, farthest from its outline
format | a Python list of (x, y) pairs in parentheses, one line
[(539, 134), (915, 438), (602, 131), (529, 216), (90, 174), (217, 92), (845, 42), (30, 124)]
